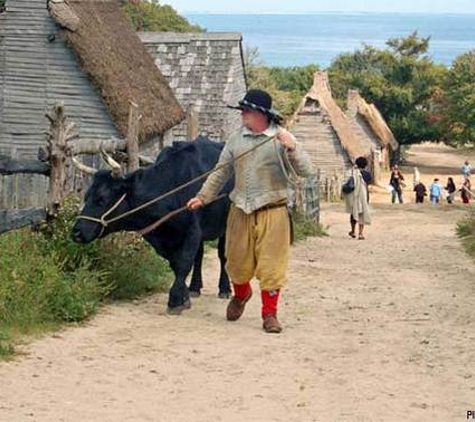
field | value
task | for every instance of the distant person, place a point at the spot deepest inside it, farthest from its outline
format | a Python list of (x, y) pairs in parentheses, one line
[(467, 169), (465, 191), (435, 190), (416, 177), (397, 183), (357, 201), (421, 192), (451, 189)]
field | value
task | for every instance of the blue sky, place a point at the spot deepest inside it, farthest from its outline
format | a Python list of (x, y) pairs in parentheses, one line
[(286, 6)]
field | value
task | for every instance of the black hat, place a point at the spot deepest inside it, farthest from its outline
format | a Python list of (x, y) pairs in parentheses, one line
[(256, 99)]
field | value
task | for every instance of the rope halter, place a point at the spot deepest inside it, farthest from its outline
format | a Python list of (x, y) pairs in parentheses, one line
[(102, 220)]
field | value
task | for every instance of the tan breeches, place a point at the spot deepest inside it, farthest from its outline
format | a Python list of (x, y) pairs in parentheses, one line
[(258, 245)]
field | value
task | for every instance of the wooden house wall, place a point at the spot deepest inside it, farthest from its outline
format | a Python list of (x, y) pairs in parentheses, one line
[(235, 90), (39, 70), (205, 71)]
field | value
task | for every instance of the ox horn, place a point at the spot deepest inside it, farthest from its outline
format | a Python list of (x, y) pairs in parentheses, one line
[(114, 165), (82, 167)]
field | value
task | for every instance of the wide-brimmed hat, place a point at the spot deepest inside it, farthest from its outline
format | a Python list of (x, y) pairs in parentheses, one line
[(256, 99)]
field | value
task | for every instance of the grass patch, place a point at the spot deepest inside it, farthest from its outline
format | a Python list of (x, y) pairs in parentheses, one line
[(6, 345), (304, 228), (466, 232), (46, 279)]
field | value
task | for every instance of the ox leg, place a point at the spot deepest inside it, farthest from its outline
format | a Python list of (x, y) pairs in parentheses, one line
[(181, 264), (178, 298), (196, 283), (180, 256), (224, 287)]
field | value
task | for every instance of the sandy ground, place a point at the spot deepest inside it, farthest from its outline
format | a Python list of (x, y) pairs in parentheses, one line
[(375, 330)]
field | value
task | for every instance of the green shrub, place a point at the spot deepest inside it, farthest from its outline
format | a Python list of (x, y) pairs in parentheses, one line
[(134, 267), (35, 286), (47, 279), (466, 232), (6, 346), (304, 227)]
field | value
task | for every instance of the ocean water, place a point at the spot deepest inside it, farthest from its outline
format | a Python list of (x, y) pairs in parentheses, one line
[(300, 39)]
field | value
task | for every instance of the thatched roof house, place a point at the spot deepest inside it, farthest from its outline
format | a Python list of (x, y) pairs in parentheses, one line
[(326, 132), (206, 72), (369, 124), (85, 54)]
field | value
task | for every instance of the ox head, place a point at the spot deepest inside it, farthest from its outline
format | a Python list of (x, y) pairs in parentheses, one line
[(104, 199)]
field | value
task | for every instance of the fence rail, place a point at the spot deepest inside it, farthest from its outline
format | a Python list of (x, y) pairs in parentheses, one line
[(32, 190)]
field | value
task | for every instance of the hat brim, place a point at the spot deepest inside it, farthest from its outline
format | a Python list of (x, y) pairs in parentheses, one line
[(246, 105)]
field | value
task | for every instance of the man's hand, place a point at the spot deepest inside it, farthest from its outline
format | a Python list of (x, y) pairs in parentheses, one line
[(194, 203), (287, 140)]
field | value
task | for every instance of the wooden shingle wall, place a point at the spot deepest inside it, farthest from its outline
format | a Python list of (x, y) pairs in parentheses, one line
[(205, 71), (37, 71)]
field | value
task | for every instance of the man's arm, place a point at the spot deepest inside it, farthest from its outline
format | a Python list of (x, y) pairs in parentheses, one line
[(298, 158), (216, 180)]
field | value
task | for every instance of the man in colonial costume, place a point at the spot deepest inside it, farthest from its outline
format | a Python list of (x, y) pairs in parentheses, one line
[(258, 230)]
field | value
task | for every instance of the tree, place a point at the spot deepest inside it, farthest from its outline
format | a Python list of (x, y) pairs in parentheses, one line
[(286, 85), (151, 16), (459, 101), (401, 80)]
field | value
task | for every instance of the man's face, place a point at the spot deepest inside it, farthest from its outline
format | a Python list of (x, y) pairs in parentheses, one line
[(253, 119)]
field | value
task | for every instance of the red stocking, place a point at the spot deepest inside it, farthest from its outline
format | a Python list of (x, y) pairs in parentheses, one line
[(270, 300), (242, 291)]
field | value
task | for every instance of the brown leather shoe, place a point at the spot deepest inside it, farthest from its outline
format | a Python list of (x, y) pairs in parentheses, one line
[(271, 325), (236, 307)]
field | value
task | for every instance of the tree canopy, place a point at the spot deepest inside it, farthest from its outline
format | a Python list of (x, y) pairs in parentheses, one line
[(458, 101), (152, 16), (401, 80), (286, 85)]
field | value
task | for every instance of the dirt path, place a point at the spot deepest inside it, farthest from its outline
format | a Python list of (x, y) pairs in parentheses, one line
[(375, 330), (380, 330)]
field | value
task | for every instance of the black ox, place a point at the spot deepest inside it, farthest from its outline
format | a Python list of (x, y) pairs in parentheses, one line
[(180, 239)]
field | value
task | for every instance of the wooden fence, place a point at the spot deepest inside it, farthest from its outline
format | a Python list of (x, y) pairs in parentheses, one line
[(52, 175)]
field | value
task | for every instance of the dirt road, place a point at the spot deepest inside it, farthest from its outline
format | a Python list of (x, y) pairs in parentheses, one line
[(375, 330)]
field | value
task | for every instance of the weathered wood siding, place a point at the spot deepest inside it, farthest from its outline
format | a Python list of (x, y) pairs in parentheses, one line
[(38, 70), (313, 129), (205, 71)]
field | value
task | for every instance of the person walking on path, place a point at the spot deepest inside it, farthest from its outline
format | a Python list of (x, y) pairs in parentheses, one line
[(465, 191), (258, 229), (435, 192), (466, 169), (421, 192), (357, 200), (397, 183), (451, 189)]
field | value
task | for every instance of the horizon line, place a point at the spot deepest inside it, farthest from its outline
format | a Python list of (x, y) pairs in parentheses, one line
[(328, 12)]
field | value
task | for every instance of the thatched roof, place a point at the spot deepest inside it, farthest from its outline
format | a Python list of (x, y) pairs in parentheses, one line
[(112, 55), (373, 117), (321, 92)]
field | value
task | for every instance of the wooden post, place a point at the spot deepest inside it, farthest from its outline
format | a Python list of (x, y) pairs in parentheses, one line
[(57, 138), (133, 138), (318, 191), (376, 166), (192, 123)]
